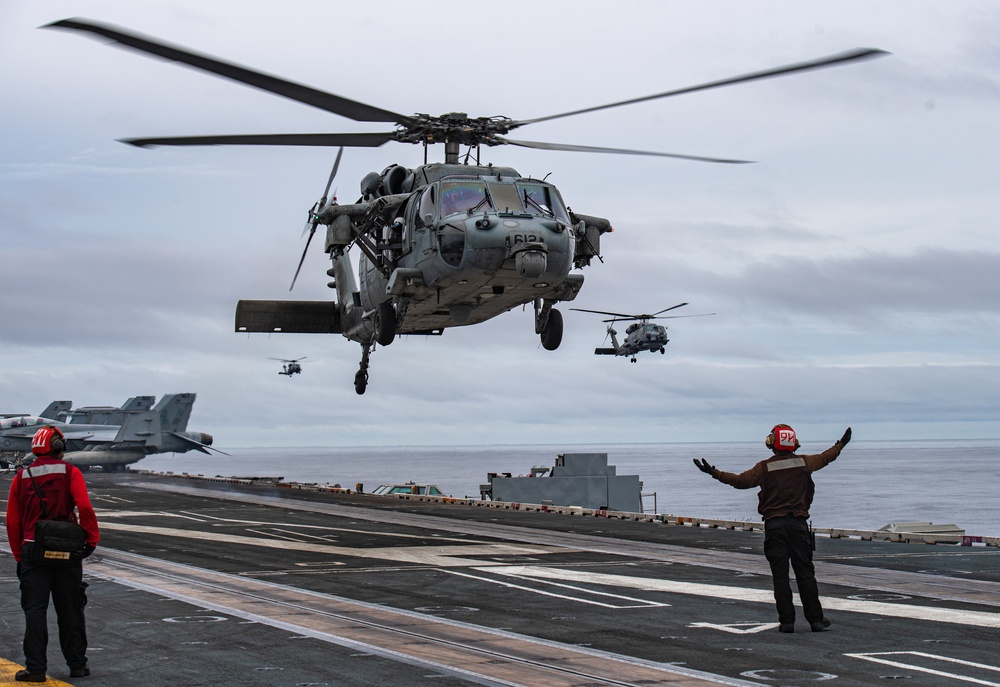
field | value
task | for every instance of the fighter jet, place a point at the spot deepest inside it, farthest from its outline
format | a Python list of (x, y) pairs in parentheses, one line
[(141, 432)]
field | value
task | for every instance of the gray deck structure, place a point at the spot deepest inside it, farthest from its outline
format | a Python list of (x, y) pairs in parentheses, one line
[(577, 479)]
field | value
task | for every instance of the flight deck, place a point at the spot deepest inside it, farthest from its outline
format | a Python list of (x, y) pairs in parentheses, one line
[(227, 582)]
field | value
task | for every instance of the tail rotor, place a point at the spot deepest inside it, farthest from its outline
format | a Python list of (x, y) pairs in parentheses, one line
[(313, 220)]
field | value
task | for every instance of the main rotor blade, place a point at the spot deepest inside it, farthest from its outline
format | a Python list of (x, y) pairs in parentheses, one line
[(673, 307), (360, 140), (820, 63), (601, 312), (619, 151), (304, 94), (677, 317)]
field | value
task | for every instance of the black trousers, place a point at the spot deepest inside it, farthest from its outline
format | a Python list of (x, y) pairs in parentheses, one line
[(67, 589), (787, 540)]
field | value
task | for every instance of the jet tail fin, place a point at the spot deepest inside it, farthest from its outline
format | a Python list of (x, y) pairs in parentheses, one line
[(138, 429), (174, 411), (53, 410), (138, 403)]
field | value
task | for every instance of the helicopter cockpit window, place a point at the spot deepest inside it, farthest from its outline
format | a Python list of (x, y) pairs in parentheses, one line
[(505, 198), (463, 196), (543, 201)]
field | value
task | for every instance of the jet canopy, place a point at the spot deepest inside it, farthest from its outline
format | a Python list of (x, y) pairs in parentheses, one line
[(23, 421)]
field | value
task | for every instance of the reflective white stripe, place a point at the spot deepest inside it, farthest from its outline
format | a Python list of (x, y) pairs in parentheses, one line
[(53, 469), (795, 462)]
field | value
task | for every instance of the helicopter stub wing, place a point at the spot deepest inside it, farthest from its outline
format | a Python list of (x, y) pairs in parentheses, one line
[(296, 317), (605, 351)]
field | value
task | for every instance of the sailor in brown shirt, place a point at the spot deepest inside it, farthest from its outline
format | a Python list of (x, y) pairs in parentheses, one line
[(786, 492)]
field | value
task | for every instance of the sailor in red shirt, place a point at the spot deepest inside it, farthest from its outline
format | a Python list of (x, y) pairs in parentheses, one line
[(65, 493), (786, 492)]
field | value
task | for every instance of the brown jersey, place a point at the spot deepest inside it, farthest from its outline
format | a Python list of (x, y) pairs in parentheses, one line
[(785, 481)]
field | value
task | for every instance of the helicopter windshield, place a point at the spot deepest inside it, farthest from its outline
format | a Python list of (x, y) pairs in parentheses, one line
[(463, 196), (542, 200)]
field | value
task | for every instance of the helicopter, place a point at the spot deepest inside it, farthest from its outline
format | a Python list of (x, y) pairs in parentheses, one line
[(641, 335), (441, 244), (290, 367)]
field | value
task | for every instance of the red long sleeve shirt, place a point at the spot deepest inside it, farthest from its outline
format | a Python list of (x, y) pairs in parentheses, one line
[(66, 498)]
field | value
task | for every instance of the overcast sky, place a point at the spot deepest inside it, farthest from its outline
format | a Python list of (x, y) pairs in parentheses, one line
[(854, 267)]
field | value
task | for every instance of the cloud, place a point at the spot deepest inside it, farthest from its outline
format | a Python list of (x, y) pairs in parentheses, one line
[(852, 268)]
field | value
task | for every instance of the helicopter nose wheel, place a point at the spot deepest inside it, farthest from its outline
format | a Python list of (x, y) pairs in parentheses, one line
[(361, 378), (552, 331), (632, 360)]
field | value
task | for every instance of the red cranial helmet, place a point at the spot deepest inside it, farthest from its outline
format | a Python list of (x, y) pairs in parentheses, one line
[(48, 440), (782, 438)]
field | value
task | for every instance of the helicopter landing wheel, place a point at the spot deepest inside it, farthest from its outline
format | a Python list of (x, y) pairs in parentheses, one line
[(632, 360), (360, 382), (385, 323), (552, 331), (662, 351), (361, 377)]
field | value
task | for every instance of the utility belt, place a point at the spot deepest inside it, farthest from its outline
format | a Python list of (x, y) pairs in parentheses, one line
[(790, 516)]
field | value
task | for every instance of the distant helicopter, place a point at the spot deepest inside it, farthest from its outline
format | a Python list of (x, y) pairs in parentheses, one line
[(290, 367), (442, 244), (640, 335)]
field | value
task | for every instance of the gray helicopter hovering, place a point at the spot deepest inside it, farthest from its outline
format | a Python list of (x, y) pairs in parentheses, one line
[(441, 244), (290, 367), (641, 335)]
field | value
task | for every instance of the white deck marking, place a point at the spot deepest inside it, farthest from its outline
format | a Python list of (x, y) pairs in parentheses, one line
[(738, 628), (433, 556), (876, 658), (638, 603), (942, 615)]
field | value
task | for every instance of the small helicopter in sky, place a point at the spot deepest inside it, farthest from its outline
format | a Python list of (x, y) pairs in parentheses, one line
[(641, 335), (441, 244), (290, 367)]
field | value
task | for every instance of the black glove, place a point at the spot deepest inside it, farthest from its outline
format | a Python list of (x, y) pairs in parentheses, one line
[(19, 570), (846, 438), (704, 466)]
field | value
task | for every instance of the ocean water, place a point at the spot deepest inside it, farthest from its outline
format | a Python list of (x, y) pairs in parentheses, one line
[(871, 484)]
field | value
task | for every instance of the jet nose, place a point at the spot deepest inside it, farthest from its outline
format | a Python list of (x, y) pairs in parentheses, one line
[(206, 439)]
